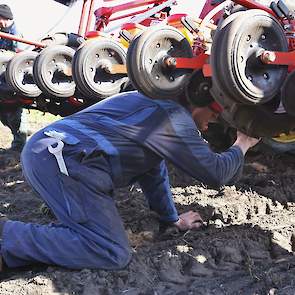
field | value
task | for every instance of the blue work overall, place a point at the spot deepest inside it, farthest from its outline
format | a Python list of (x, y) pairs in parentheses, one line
[(114, 143)]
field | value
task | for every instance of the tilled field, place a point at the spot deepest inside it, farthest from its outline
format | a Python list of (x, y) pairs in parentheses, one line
[(244, 248)]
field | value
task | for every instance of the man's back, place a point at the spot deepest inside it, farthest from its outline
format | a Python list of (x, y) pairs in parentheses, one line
[(137, 132)]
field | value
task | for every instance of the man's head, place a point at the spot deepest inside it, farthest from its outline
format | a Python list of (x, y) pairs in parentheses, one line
[(6, 16), (203, 115)]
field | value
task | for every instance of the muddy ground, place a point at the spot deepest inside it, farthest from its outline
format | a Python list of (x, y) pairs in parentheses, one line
[(245, 247)]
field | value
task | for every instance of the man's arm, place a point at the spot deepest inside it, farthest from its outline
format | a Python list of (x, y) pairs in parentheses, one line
[(186, 148), (17, 46), (156, 188)]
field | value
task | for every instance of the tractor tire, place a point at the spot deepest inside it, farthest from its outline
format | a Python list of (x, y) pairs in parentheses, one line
[(280, 145), (288, 90), (247, 79), (146, 59), (19, 74), (130, 63), (88, 68), (219, 87), (5, 57), (52, 71)]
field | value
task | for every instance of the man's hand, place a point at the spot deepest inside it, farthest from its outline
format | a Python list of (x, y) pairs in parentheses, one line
[(189, 220), (245, 142)]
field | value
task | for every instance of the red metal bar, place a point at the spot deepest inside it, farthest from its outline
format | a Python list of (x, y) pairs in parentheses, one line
[(207, 7), (135, 4), (108, 11), (22, 40), (90, 14), (82, 18), (195, 62), (278, 58), (73, 101), (129, 14), (207, 70), (251, 4)]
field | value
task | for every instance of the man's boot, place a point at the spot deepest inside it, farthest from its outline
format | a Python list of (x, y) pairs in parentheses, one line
[(19, 140)]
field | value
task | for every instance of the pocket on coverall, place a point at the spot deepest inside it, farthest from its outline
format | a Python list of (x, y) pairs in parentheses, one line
[(74, 198), (72, 189)]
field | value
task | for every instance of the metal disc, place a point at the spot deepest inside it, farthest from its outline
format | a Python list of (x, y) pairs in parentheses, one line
[(52, 71), (247, 79), (5, 57), (198, 87), (19, 74), (152, 75), (92, 66)]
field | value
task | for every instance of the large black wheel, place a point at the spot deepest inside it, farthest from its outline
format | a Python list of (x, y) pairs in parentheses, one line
[(5, 57), (129, 61), (92, 68), (288, 91), (218, 84), (19, 74), (281, 144), (52, 71), (150, 62), (240, 74)]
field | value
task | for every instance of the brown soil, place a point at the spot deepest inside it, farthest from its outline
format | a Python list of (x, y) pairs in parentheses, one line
[(245, 247)]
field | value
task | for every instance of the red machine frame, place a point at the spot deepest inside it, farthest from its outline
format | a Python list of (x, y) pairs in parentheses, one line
[(267, 57), (104, 14)]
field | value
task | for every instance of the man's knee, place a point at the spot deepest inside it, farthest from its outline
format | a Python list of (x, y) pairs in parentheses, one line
[(121, 258)]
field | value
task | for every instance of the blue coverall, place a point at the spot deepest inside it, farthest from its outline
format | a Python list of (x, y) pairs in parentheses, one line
[(13, 117), (112, 144)]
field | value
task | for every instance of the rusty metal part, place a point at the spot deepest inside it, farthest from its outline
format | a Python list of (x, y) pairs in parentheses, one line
[(268, 57), (169, 62)]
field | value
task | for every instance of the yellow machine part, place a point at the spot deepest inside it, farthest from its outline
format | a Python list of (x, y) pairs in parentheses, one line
[(179, 26), (133, 32), (285, 138)]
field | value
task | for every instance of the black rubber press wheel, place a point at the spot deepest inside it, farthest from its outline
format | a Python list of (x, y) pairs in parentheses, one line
[(150, 61), (5, 57), (19, 74), (245, 79), (52, 71), (92, 68), (288, 91)]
